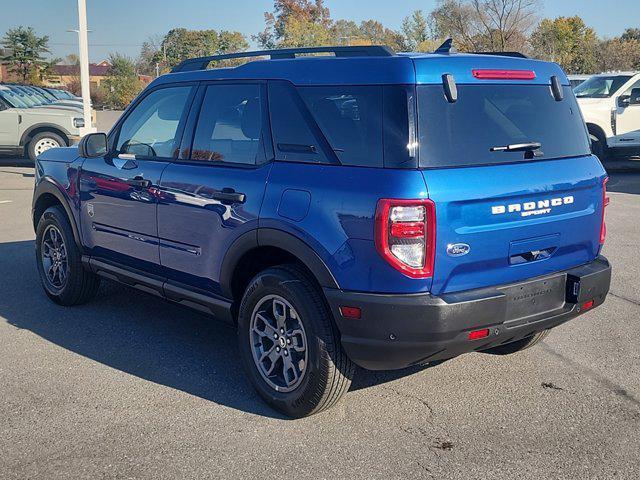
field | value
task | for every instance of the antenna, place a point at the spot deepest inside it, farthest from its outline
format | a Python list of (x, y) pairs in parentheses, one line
[(446, 48)]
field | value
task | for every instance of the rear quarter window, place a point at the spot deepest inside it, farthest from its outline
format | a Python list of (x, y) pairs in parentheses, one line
[(489, 116)]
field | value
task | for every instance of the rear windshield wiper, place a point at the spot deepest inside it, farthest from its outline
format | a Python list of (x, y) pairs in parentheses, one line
[(518, 147)]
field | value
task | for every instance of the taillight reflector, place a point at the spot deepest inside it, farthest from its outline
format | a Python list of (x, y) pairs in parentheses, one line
[(504, 74), (605, 202), (587, 305), (405, 233), (479, 334), (351, 312)]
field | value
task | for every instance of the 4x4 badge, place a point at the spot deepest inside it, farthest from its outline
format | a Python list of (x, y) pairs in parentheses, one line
[(458, 249)]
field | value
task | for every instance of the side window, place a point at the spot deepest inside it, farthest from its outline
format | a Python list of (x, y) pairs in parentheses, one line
[(634, 93), (292, 133), (230, 125), (351, 119), (151, 129)]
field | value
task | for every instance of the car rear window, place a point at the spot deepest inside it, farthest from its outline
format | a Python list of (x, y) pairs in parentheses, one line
[(487, 117)]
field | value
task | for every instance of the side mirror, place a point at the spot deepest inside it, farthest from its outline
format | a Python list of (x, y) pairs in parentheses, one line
[(624, 101), (93, 145)]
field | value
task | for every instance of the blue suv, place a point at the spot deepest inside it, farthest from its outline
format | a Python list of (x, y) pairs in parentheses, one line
[(341, 206)]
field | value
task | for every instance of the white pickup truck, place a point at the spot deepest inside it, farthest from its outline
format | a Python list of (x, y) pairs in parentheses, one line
[(610, 105)]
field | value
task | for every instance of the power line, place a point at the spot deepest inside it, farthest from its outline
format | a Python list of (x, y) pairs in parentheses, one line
[(56, 44)]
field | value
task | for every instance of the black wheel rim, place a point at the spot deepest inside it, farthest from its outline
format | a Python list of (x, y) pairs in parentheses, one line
[(54, 257), (278, 343)]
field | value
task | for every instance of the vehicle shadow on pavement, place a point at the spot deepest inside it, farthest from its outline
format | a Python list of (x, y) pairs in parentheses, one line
[(141, 335), (624, 183), (133, 332), (15, 162)]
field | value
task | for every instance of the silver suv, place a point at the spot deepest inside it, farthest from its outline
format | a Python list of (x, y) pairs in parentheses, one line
[(25, 129)]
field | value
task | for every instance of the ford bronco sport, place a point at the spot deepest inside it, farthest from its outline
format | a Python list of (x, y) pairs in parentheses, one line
[(25, 128), (358, 208)]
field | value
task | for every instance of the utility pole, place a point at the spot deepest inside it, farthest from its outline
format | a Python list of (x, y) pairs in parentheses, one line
[(84, 65)]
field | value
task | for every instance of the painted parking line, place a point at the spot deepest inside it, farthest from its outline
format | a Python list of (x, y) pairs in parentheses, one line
[(6, 201)]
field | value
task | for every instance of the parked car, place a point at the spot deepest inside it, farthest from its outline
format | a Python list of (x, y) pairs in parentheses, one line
[(610, 104), (28, 130), (363, 208), (576, 80)]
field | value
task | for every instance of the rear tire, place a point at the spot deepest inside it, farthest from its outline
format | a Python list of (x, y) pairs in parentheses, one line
[(43, 141), (63, 277), (284, 321), (519, 345)]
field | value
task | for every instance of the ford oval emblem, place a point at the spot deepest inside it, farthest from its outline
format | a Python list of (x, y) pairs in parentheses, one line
[(458, 249)]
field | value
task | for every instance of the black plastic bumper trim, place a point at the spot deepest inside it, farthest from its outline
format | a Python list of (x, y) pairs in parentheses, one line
[(397, 331)]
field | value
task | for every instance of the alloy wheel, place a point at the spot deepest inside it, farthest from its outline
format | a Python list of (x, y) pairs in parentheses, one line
[(278, 343), (54, 257)]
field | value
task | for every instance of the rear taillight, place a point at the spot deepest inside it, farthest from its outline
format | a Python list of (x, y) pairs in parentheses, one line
[(406, 235), (504, 74), (605, 202)]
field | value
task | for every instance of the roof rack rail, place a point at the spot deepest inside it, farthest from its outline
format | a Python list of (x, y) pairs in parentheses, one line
[(503, 54), (201, 63)]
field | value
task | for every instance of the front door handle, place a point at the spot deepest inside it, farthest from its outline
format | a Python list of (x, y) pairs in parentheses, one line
[(229, 195), (139, 182)]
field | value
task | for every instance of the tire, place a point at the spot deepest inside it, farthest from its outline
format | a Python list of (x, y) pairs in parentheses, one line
[(287, 292), (70, 283), (599, 145), (519, 345), (44, 141)]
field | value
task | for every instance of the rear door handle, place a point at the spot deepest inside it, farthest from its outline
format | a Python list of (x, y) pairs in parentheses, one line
[(139, 182), (229, 195)]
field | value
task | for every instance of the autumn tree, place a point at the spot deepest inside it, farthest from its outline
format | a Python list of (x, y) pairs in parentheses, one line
[(485, 25), (567, 41), (621, 53), (296, 23)]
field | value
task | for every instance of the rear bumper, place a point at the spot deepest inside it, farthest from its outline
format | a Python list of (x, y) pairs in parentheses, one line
[(396, 331)]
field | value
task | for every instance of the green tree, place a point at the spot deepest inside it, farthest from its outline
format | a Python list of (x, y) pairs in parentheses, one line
[(416, 31), (630, 34), (122, 84), (567, 41), (180, 44), (26, 54), (345, 32)]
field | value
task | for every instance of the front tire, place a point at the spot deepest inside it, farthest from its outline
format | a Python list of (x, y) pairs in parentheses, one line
[(599, 145), (290, 346), (64, 279), (43, 141)]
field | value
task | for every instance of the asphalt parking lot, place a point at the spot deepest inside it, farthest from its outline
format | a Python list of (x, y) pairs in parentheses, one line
[(132, 387)]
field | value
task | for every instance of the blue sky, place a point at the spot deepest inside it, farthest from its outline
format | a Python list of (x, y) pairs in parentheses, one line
[(122, 25)]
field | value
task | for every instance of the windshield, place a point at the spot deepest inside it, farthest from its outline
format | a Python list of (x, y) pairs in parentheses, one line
[(36, 95), (12, 98), (45, 94), (26, 97), (601, 86), (498, 124)]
